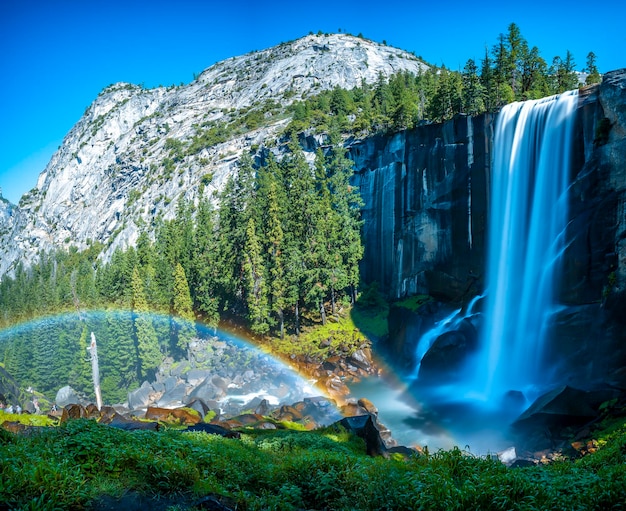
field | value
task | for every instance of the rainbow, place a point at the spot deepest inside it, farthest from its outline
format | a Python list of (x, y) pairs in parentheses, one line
[(40, 335)]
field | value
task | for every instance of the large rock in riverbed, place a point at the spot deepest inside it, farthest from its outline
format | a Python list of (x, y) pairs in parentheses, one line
[(67, 396)]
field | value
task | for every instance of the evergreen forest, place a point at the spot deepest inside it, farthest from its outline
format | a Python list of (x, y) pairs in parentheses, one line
[(284, 244)]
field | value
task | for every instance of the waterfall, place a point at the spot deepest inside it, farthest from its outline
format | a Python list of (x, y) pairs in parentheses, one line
[(528, 216)]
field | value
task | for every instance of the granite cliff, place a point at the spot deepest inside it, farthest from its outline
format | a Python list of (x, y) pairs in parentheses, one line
[(136, 151)]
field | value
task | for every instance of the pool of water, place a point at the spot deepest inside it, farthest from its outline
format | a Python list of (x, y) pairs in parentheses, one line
[(420, 418)]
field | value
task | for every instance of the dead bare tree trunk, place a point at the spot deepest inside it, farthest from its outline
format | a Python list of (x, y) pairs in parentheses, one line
[(93, 351)]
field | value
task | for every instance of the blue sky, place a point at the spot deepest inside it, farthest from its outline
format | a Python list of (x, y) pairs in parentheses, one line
[(56, 56)]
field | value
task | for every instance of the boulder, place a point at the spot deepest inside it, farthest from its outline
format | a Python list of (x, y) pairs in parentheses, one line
[(263, 408), (321, 409), (547, 423), (363, 426), (141, 397), (199, 406), (180, 415), (368, 406), (446, 357), (73, 411), (288, 413), (562, 405), (67, 396), (362, 359), (14, 427), (195, 376), (121, 422), (174, 397), (170, 382), (206, 391)]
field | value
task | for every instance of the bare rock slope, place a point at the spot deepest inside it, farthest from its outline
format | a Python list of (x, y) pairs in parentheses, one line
[(136, 151)]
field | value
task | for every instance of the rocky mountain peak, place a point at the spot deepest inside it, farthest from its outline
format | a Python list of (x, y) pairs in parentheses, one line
[(136, 151)]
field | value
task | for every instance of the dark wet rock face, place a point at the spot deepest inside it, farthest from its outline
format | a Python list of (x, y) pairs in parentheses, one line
[(425, 194)]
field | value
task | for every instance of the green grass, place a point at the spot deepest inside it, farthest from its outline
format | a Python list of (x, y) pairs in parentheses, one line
[(413, 303), (70, 466), (339, 335), (371, 321)]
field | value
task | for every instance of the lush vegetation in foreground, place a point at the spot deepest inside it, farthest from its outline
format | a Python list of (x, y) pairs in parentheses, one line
[(72, 466)]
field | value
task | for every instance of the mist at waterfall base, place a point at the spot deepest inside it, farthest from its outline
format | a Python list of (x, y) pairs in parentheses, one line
[(508, 369)]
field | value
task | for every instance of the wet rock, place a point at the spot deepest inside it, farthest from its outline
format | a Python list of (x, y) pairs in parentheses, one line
[(559, 405), (513, 399), (363, 426), (416, 186), (368, 406), (406, 327), (446, 357), (547, 423)]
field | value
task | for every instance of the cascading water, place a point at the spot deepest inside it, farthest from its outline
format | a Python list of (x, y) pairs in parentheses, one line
[(532, 148), (450, 322)]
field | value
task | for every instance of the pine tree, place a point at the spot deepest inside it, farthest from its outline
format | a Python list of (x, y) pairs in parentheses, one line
[(447, 99), (275, 235), (516, 46), (473, 91), (534, 72), (205, 270), (150, 356), (488, 82), (234, 213), (593, 76), (184, 329), (564, 76), (255, 281), (119, 353), (80, 377), (346, 204)]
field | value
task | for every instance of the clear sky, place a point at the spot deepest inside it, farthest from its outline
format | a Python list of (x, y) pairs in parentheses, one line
[(57, 55)]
